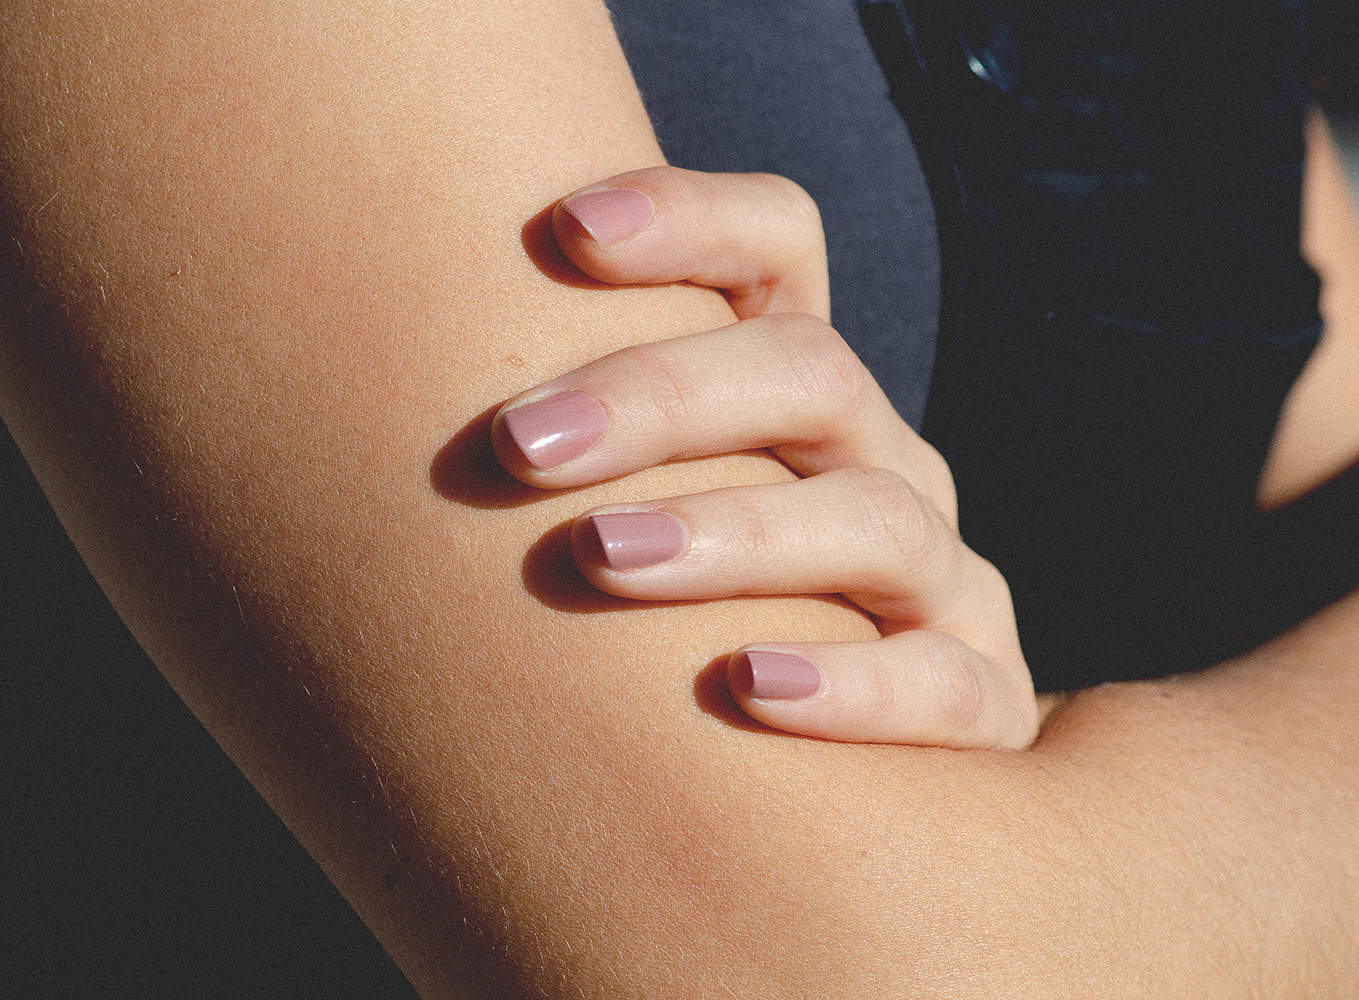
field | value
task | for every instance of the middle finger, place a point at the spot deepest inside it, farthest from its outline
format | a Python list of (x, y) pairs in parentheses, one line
[(786, 382)]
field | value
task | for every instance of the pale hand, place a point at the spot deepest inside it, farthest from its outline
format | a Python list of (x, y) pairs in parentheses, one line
[(873, 518)]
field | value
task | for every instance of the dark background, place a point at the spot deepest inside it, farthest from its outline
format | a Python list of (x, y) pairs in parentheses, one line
[(137, 862), (1334, 61)]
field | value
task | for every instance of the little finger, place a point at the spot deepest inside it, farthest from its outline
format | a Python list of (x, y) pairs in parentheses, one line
[(756, 237), (921, 687)]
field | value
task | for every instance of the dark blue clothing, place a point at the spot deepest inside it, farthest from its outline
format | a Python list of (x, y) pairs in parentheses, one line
[(1090, 212), (793, 88)]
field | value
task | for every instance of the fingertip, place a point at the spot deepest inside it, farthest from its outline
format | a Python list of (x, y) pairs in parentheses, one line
[(740, 676), (587, 547), (627, 540), (507, 452), (539, 436), (779, 690), (603, 215), (772, 675)]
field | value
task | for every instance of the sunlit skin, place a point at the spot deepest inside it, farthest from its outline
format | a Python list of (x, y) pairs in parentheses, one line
[(265, 283)]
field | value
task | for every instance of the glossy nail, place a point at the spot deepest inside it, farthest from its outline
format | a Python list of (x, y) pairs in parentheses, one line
[(634, 539), (557, 429), (611, 215), (779, 676)]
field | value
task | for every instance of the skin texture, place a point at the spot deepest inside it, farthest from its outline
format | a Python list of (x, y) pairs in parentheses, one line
[(263, 268), (874, 517)]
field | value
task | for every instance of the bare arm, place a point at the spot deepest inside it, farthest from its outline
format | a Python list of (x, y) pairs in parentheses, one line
[(282, 267), (269, 266)]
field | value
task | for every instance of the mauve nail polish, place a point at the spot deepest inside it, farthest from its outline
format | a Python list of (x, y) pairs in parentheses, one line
[(556, 429), (781, 676), (611, 214), (633, 539)]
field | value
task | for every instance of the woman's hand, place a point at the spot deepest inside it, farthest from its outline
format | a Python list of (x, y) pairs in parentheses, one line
[(874, 517)]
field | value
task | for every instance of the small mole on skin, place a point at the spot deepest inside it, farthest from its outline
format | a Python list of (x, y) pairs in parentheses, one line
[(515, 361)]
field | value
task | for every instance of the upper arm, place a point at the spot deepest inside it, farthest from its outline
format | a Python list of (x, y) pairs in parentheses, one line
[(262, 262)]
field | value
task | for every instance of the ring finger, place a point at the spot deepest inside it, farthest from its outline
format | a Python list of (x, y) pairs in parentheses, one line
[(865, 533), (810, 400)]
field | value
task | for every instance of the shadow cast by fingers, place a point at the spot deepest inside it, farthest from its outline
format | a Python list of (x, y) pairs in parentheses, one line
[(541, 246), (550, 575), (713, 696), (466, 471)]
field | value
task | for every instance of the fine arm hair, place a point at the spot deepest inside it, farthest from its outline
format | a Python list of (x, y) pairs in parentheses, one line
[(268, 268)]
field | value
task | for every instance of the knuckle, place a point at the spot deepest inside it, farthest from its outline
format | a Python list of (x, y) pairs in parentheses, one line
[(749, 532), (936, 478), (991, 584), (894, 516), (824, 370), (958, 689), (882, 697), (1023, 728), (940, 697), (668, 386), (800, 206)]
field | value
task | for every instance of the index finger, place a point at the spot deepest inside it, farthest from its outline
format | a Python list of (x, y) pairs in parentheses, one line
[(755, 237)]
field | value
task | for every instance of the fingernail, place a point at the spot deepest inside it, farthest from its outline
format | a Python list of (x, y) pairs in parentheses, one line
[(556, 429), (611, 214), (780, 676), (635, 539)]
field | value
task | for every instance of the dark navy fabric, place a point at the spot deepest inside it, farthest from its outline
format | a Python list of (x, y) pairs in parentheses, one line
[(1115, 286), (1132, 309), (793, 88)]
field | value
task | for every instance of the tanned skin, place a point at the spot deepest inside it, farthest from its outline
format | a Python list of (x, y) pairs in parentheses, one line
[(265, 270)]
